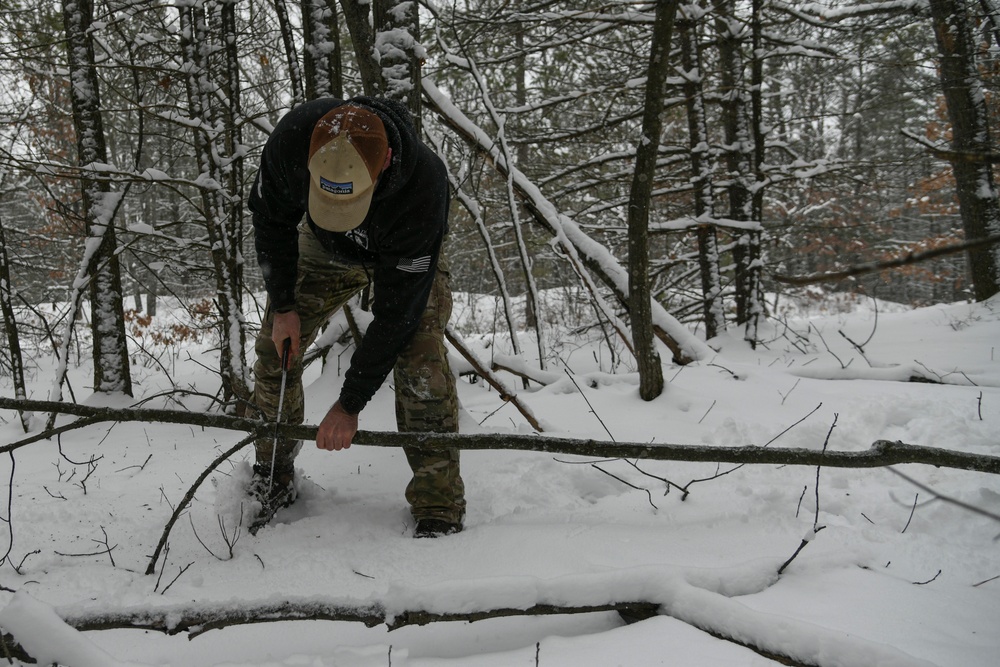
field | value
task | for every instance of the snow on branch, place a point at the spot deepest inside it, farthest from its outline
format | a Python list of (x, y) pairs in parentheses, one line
[(701, 598), (578, 245), (881, 454)]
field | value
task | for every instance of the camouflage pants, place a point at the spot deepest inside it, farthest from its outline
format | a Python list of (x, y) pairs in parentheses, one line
[(426, 398)]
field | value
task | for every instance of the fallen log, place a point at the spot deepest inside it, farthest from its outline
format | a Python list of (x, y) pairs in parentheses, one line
[(195, 621), (882, 453)]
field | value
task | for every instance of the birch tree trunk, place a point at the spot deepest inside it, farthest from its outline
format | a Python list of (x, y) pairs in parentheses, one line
[(640, 196), (701, 179), (321, 65), (965, 98), (98, 205)]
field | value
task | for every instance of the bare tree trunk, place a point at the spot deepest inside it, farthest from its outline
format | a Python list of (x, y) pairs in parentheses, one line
[(740, 167), (397, 35), (356, 15), (640, 196), (291, 54), (701, 179), (10, 328), (223, 217), (98, 206), (965, 97), (321, 65)]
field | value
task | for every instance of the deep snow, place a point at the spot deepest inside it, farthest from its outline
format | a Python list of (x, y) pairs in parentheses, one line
[(881, 583)]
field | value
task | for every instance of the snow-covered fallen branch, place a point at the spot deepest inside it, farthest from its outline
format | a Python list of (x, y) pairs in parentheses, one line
[(706, 599), (881, 454)]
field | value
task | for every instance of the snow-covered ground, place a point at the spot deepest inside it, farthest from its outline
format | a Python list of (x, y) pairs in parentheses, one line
[(896, 576)]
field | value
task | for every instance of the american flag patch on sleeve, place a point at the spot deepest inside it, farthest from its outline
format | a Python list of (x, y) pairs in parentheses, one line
[(415, 265)]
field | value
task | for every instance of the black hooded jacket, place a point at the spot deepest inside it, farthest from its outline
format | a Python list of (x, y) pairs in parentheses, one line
[(398, 243)]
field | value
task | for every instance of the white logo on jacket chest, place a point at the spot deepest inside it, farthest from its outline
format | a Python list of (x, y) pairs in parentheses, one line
[(359, 237)]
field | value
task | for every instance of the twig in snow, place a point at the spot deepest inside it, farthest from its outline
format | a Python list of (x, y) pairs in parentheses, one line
[(734, 375), (912, 510), (107, 549), (979, 406), (685, 490), (649, 495), (802, 496), (140, 467), (707, 411), (190, 494), (784, 397), (832, 353), (802, 545), (230, 540), (179, 573), (166, 554), (924, 583), (857, 346), (163, 494), (635, 464), (594, 412), (816, 526), (17, 568), (860, 347), (986, 581), (947, 499), (819, 468)]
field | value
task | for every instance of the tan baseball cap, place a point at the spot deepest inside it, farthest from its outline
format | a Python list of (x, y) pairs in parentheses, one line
[(346, 155)]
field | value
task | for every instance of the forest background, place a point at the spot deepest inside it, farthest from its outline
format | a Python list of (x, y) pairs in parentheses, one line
[(644, 178), (791, 138)]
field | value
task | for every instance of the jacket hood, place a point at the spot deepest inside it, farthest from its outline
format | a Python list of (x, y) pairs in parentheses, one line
[(402, 139)]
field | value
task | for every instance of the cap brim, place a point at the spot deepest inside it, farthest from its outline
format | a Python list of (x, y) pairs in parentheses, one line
[(337, 214)]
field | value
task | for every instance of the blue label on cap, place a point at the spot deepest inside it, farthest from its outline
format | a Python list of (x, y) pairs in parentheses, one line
[(336, 188)]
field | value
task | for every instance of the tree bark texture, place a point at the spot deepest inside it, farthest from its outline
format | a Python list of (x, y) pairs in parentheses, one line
[(640, 200), (964, 96), (10, 327), (739, 153), (881, 454), (98, 205), (356, 16), (397, 35), (701, 179), (291, 54), (321, 64), (222, 210)]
